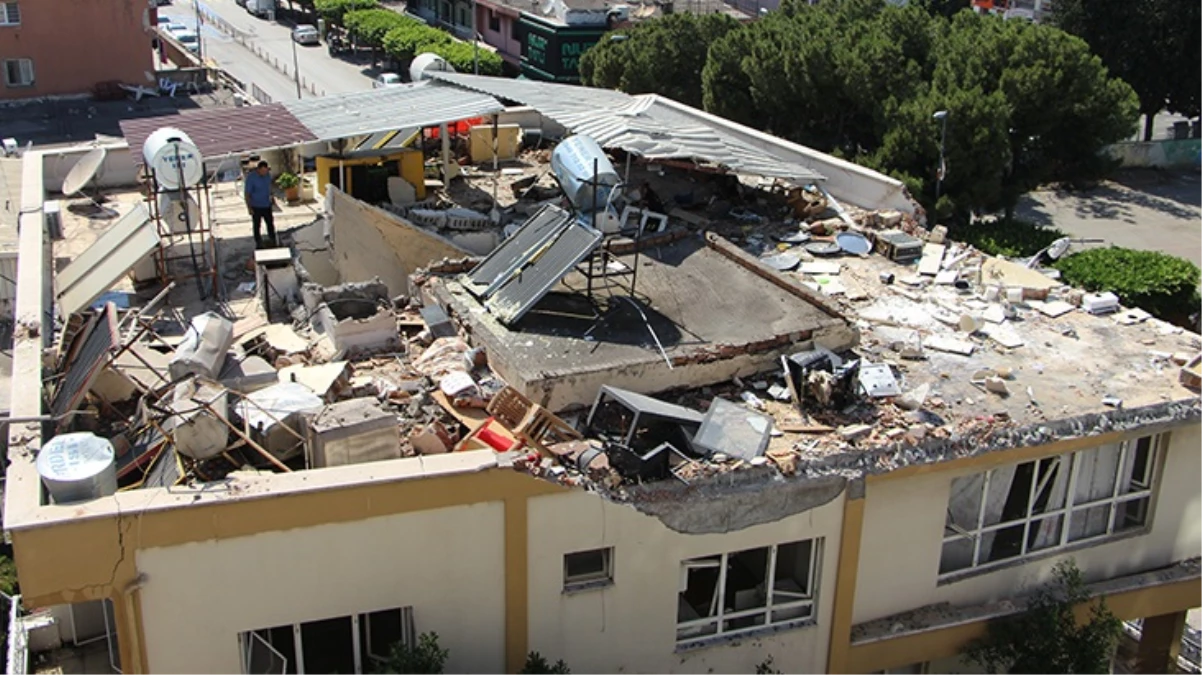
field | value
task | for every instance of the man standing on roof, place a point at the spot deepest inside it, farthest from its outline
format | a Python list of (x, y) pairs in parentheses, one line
[(259, 202)]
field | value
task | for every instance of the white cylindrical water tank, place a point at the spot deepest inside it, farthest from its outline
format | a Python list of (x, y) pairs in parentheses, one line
[(78, 467), (574, 161), (172, 211), (425, 62), (171, 156)]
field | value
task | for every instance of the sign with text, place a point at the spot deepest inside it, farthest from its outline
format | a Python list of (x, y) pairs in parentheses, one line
[(552, 52)]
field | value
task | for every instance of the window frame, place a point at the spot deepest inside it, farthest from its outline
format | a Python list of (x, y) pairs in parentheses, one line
[(4, 11), (1072, 505), (721, 617), (19, 61), (600, 579), (494, 21), (365, 661)]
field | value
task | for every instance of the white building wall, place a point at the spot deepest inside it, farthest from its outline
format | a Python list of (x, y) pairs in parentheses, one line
[(448, 564), (903, 532), (631, 625)]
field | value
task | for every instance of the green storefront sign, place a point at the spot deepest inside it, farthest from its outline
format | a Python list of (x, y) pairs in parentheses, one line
[(552, 52)]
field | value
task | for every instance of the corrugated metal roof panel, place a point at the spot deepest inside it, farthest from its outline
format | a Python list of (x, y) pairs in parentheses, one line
[(218, 132), (417, 104), (95, 348), (528, 285), (94, 271), (514, 251), (638, 124)]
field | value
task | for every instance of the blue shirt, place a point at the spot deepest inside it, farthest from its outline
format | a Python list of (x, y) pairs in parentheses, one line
[(258, 190)]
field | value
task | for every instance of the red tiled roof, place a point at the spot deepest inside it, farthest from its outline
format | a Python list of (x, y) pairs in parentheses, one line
[(225, 131)]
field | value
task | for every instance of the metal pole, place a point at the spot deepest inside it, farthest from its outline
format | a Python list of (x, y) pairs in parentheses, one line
[(296, 70), (475, 43), (942, 163), (200, 51)]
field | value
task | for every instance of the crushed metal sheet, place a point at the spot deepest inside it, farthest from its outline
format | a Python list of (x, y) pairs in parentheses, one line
[(643, 125), (91, 350), (126, 243)]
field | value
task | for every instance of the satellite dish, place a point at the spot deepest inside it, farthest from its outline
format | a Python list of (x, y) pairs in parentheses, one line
[(84, 171)]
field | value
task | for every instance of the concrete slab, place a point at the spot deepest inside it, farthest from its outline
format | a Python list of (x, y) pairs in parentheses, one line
[(715, 317)]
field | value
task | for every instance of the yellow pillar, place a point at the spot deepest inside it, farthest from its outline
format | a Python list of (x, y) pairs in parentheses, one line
[(516, 583), (1159, 643), (845, 583)]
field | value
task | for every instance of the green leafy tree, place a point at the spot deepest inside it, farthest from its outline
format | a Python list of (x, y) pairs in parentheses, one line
[(424, 657), (1047, 638), (369, 26), (536, 663), (408, 39), (464, 57), (333, 11), (663, 56), (1153, 45)]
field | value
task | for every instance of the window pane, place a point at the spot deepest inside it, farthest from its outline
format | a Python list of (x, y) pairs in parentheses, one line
[(792, 613), (379, 631), (1051, 483), (1008, 492), (691, 632), (1044, 533), (12, 72), (1002, 544), (792, 580), (746, 573), (1096, 473), (964, 504), (1089, 522), (328, 646), (1132, 514), (957, 555), (586, 565), (1139, 473), (745, 622), (700, 595)]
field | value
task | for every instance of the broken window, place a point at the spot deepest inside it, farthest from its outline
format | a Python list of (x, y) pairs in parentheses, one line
[(588, 568), (1018, 510), (745, 590), (359, 643)]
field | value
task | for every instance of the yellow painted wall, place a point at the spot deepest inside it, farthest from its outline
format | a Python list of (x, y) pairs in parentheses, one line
[(903, 530), (631, 625), (411, 166), (447, 563)]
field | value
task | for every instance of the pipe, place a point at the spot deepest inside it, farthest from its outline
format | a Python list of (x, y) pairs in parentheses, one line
[(131, 620), (45, 418)]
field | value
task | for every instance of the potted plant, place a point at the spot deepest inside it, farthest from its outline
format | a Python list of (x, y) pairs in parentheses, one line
[(290, 184)]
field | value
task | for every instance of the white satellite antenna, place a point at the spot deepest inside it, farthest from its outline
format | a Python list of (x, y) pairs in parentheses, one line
[(83, 172)]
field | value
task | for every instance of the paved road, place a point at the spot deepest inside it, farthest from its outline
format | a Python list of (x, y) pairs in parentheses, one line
[(234, 58), (1151, 210), (270, 43)]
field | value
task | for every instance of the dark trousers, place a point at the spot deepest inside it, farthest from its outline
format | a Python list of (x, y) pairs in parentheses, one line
[(258, 216)]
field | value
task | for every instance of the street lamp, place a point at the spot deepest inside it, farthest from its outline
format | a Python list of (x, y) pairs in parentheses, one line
[(296, 69), (475, 42), (941, 116)]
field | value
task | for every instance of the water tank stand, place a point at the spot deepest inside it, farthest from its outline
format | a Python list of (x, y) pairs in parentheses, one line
[(197, 240)]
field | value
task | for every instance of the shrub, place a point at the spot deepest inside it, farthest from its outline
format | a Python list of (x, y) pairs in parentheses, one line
[(535, 663), (403, 41), (462, 57), (424, 657), (334, 10), (371, 25), (1011, 238), (1162, 284)]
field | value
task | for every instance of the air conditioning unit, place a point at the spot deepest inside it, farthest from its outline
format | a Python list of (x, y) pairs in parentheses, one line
[(52, 210)]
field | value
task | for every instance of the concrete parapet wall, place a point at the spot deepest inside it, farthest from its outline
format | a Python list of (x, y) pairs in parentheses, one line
[(1165, 154)]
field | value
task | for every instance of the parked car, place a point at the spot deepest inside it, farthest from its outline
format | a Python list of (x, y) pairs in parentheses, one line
[(174, 29), (386, 80), (190, 40), (306, 34), (164, 21), (264, 9)]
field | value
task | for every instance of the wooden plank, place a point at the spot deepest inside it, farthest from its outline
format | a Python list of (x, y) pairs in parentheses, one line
[(469, 417), (932, 258)]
